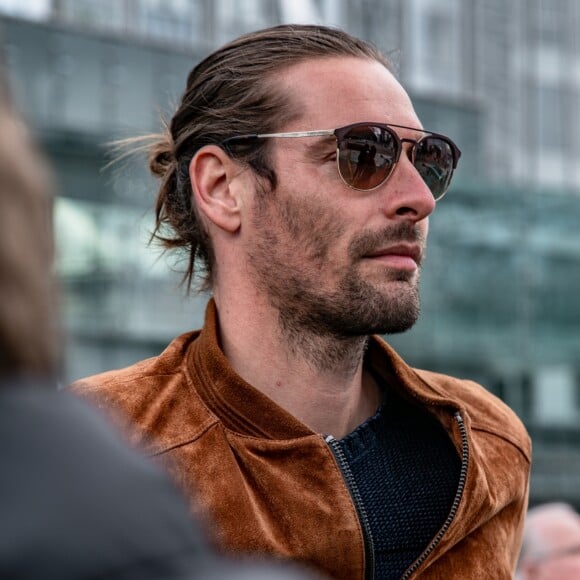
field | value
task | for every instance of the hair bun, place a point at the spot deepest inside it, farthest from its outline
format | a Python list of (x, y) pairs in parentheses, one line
[(161, 157)]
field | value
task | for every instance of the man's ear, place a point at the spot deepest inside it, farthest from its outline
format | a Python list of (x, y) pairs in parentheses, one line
[(213, 181)]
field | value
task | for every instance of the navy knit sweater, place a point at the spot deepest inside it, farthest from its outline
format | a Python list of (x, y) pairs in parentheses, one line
[(407, 470)]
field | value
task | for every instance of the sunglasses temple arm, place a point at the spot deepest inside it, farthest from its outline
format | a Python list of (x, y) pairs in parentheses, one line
[(325, 133)]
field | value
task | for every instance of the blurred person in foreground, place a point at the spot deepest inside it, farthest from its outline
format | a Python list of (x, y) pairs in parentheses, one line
[(75, 503), (296, 175), (551, 546)]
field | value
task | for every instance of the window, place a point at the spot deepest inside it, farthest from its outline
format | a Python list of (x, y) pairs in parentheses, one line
[(437, 46), (553, 16), (551, 105), (239, 16), (177, 21), (106, 14)]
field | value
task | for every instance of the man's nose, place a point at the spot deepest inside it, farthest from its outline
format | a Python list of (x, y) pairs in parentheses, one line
[(406, 195)]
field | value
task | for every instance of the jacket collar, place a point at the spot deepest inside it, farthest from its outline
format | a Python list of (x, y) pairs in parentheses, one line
[(244, 409), (239, 406)]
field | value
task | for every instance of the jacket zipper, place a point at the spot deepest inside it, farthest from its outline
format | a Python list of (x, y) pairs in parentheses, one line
[(358, 504), (462, 477)]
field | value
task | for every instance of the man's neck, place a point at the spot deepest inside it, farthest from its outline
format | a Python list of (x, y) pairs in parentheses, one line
[(319, 379)]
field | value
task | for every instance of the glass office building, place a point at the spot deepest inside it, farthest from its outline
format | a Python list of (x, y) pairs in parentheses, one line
[(501, 285)]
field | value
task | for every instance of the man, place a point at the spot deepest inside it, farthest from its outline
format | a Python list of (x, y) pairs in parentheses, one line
[(551, 547), (303, 434), (75, 503)]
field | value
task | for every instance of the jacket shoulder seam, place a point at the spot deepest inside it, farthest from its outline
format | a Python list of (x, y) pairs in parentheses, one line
[(119, 381), (511, 440), (181, 443)]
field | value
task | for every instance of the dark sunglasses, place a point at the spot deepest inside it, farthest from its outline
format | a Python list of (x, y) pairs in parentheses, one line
[(367, 154)]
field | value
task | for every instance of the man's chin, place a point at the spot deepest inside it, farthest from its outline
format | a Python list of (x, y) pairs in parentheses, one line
[(384, 317), (399, 309), (396, 326)]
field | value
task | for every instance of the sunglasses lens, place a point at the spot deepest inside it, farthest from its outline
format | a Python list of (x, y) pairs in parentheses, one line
[(434, 160), (367, 155)]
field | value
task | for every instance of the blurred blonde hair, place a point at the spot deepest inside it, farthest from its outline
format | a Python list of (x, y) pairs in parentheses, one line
[(28, 337)]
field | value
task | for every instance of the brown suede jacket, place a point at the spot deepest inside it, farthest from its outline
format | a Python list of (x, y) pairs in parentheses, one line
[(273, 486)]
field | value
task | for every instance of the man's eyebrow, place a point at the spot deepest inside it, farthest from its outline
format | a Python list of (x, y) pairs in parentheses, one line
[(318, 144)]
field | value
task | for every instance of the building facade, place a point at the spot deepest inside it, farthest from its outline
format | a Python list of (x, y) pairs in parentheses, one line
[(501, 286)]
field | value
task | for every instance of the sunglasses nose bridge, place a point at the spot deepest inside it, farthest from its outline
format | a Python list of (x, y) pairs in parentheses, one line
[(411, 150)]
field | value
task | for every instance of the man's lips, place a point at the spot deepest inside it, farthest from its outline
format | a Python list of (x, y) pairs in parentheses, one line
[(401, 256)]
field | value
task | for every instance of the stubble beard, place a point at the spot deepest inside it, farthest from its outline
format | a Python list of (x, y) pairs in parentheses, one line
[(328, 327)]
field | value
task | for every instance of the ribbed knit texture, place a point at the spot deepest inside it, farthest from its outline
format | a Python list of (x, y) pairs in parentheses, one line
[(407, 471)]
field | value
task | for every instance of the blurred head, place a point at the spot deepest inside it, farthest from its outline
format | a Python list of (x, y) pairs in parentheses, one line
[(234, 92), (28, 344), (551, 546)]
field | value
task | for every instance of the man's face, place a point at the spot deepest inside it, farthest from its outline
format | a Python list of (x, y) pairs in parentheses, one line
[(561, 566), (555, 541), (333, 260)]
